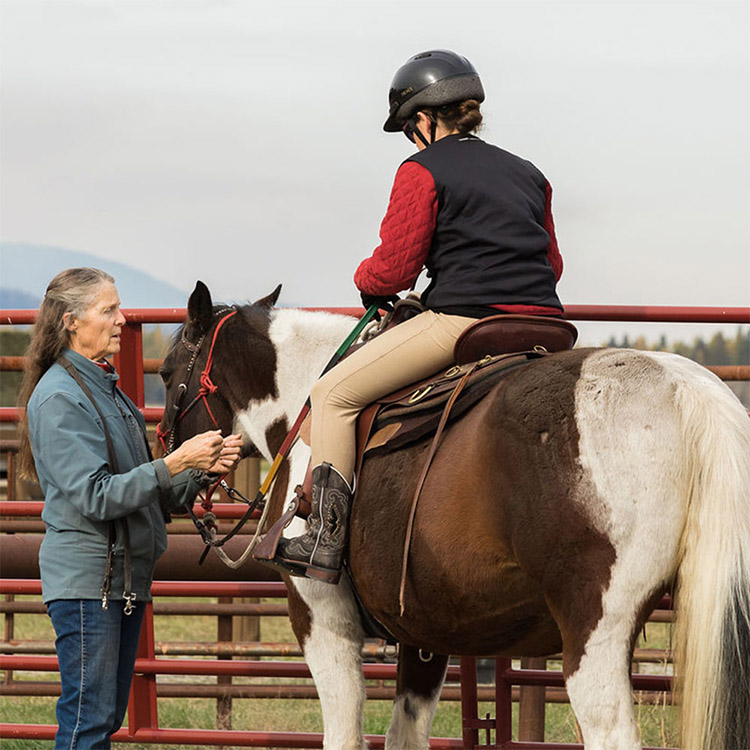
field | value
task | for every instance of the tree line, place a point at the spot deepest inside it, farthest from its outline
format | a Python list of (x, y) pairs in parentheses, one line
[(718, 350)]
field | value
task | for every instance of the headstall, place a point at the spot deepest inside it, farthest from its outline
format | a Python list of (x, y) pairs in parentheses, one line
[(167, 437)]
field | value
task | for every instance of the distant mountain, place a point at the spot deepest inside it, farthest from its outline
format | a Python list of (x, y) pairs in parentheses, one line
[(26, 269), (15, 299)]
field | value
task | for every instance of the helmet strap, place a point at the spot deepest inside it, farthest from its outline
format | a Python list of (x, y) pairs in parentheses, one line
[(433, 126), (417, 132)]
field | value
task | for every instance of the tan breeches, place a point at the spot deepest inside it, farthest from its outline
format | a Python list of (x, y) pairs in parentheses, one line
[(406, 353)]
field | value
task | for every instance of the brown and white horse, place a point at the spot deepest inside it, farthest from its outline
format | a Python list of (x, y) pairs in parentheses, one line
[(555, 515)]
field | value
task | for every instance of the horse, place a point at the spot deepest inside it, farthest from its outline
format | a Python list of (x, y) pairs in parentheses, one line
[(557, 512)]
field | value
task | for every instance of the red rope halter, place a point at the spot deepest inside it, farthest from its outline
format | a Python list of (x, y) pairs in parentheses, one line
[(207, 386)]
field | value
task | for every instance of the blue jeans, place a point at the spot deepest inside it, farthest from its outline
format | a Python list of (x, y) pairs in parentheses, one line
[(96, 650)]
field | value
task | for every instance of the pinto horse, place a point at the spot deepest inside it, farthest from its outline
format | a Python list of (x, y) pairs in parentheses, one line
[(555, 515)]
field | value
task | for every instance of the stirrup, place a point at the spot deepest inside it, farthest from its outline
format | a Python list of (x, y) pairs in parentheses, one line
[(303, 570), (265, 551)]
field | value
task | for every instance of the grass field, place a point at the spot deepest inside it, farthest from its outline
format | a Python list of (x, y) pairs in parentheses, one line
[(658, 724)]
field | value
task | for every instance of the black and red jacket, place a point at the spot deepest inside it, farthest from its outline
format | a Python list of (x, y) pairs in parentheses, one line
[(480, 220)]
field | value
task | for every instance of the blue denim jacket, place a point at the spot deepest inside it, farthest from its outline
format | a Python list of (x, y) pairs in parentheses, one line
[(82, 496)]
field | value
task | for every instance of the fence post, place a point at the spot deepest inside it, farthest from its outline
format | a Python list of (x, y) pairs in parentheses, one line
[(142, 708), (531, 706), (224, 635), (246, 478), (503, 704), (469, 716), (129, 363)]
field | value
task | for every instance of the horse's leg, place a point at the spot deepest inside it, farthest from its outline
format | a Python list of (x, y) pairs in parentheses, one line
[(417, 693), (327, 625), (597, 678), (600, 610)]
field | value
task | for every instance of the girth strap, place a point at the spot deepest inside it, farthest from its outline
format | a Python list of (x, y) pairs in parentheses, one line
[(433, 450)]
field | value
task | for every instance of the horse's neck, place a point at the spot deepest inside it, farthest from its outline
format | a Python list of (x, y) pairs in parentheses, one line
[(304, 343)]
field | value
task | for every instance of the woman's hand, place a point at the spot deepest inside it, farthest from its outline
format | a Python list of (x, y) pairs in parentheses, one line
[(230, 455), (200, 452), (384, 302)]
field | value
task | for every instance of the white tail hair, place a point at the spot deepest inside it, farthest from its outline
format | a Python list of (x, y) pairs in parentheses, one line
[(712, 638)]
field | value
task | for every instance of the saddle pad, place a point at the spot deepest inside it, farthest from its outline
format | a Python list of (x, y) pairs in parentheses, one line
[(413, 413)]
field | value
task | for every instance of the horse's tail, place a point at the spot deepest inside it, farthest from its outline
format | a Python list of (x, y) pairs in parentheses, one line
[(712, 639)]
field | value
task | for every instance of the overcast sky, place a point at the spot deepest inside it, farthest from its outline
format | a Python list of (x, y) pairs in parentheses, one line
[(241, 142)]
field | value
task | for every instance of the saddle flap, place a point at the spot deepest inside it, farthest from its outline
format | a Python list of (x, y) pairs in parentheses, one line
[(502, 334)]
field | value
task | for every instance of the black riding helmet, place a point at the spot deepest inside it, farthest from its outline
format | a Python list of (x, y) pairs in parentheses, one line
[(430, 80)]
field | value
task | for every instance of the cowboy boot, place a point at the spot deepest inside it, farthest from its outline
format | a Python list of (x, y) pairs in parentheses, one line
[(319, 551)]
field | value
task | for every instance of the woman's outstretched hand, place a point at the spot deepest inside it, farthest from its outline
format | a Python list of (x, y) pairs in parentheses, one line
[(229, 456), (200, 452)]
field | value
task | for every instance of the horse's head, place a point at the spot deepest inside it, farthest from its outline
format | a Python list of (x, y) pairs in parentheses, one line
[(221, 358)]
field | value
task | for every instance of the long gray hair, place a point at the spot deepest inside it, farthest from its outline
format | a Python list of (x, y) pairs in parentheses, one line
[(71, 291)]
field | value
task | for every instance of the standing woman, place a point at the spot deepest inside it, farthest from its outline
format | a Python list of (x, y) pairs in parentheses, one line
[(480, 220), (105, 498)]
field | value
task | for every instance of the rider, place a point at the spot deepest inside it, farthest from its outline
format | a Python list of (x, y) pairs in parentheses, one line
[(480, 220)]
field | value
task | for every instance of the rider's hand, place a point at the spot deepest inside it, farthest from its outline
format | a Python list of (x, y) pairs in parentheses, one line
[(383, 303), (200, 452), (230, 455)]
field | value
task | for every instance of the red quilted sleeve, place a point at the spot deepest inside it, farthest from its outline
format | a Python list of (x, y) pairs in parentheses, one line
[(405, 234), (553, 251)]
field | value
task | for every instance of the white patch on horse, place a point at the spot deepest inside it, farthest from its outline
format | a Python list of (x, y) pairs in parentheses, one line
[(631, 450), (304, 343), (298, 460), (412, 721), (333, 651)]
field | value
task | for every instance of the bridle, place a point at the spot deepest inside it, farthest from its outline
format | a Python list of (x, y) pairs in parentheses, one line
[(207, 527), (167, 436)]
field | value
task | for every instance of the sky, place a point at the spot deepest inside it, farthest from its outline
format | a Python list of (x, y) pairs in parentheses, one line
[(241, 142)]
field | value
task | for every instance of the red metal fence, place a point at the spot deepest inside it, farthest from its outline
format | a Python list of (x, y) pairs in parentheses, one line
[(143, 725)]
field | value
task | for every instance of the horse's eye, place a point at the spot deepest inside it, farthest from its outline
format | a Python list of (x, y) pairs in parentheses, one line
[(164, 374)]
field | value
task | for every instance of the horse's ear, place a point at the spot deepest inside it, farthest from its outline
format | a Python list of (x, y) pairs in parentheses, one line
[(270, 300), (200, 308)]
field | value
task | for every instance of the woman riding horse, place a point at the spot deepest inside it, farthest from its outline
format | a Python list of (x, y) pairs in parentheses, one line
[(479, 218)]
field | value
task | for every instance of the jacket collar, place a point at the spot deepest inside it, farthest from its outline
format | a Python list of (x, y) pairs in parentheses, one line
[(91, 372)]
